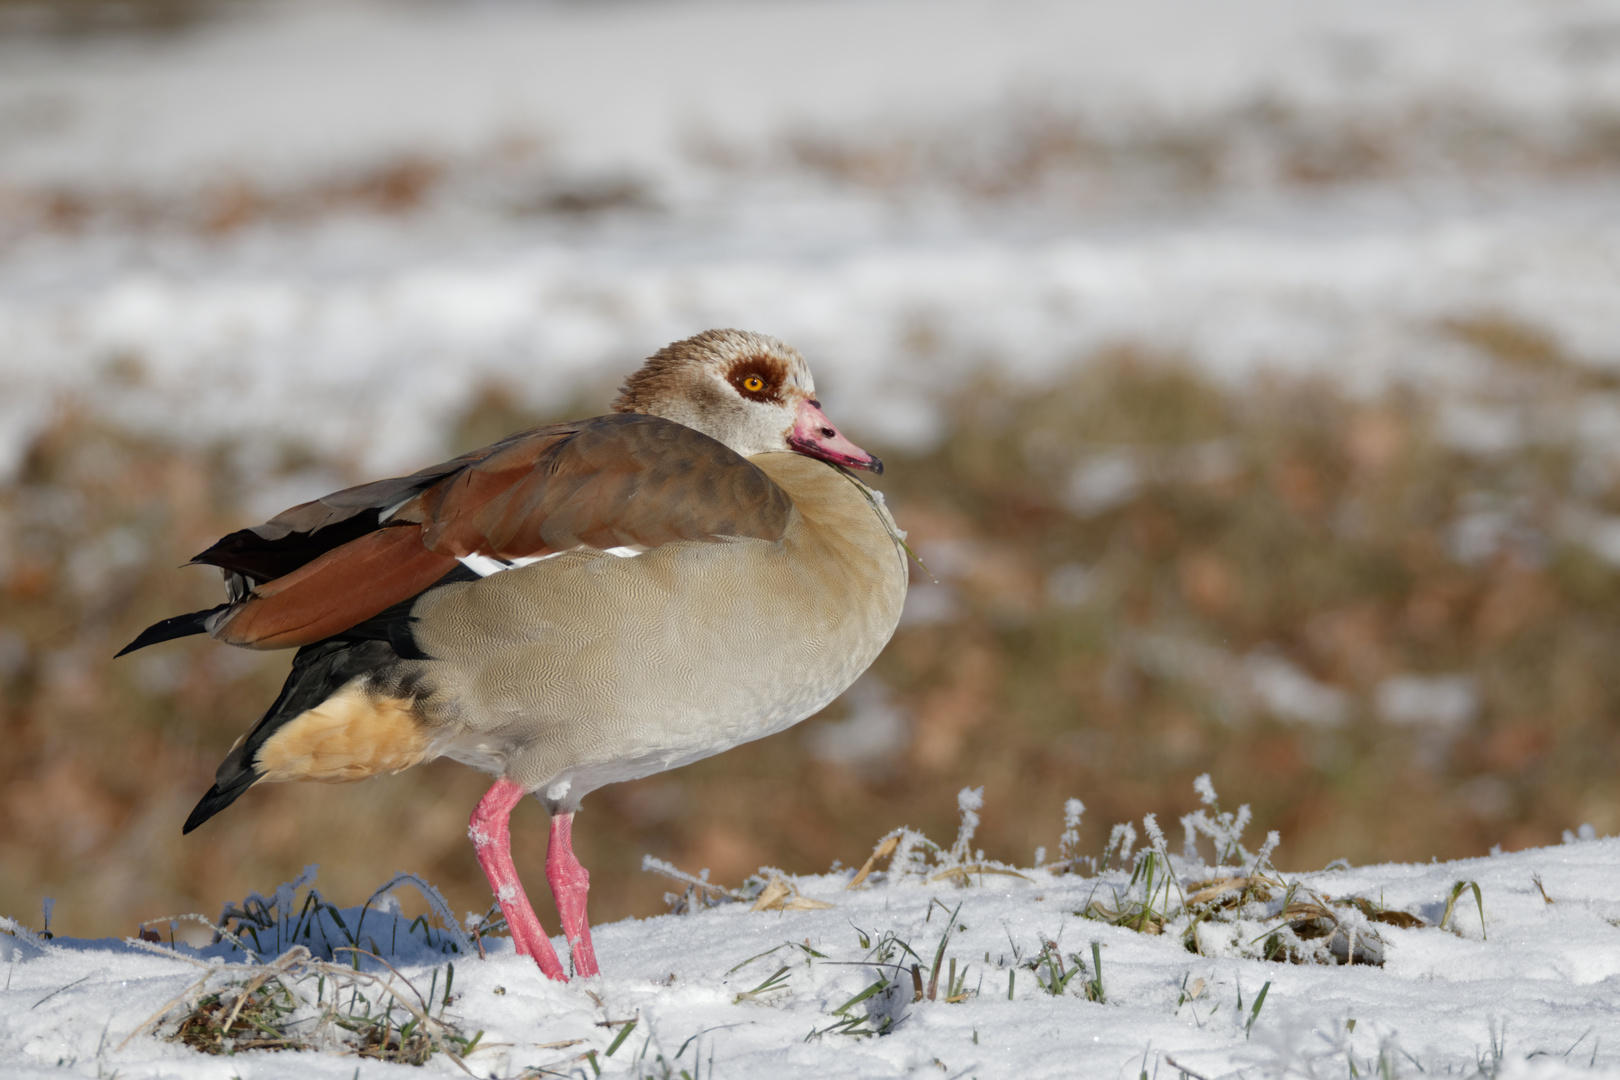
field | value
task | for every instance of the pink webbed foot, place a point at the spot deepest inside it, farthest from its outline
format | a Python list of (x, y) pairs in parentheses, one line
[(492, 839)]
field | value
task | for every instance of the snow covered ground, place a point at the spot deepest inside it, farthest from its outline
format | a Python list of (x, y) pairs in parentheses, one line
[(733, 991)]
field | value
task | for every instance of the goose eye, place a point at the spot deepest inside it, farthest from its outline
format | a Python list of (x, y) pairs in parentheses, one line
[(753, 384)]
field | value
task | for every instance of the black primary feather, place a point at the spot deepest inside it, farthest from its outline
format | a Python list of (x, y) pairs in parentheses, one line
[(257, 557), (176, 626), (318, 671)]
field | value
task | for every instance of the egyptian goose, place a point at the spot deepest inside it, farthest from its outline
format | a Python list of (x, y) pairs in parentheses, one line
[(574, 605)]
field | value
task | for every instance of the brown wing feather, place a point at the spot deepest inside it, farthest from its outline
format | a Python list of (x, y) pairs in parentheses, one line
[(298, 535), (345, 586), (618, 480), (625, 479)]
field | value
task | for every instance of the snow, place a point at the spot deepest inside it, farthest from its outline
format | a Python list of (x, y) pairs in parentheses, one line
[(1449, 702), (1530, 992), (613, 87), (364, 335), (372, 358)]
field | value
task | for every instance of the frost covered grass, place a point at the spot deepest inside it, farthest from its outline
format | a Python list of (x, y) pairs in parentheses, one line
[(292, 971), (1205, 962), (310, 977), (1232, 903)]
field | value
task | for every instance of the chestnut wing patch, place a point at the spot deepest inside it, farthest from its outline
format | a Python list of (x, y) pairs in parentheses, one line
[(624, 480), (298, 536), (619, 481)]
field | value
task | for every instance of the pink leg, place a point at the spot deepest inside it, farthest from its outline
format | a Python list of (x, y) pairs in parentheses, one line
[(492, 838), (569, 884)]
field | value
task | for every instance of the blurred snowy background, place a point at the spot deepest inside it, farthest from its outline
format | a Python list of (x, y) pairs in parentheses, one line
[(1250, 374)]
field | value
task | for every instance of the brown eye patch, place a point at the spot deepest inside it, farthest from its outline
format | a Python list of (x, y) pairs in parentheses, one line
[(757, 378)]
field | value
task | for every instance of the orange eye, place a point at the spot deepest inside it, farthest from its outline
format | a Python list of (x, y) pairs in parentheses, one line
[(753, 384)]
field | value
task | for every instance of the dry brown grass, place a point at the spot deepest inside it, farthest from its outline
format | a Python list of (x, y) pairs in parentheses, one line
[(1081, 654), (1031, 150), (88, 18)]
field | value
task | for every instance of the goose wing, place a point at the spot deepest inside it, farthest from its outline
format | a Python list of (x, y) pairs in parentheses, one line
[(623, 480)]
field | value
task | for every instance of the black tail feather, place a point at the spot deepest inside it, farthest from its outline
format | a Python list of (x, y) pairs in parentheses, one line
[(222, 794), (318, 671), (176, 626)]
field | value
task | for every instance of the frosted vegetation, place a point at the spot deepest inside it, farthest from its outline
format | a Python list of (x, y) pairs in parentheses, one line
[(1133, 960)]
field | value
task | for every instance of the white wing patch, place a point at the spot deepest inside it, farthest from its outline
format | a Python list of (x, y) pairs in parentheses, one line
[(482, 565), (485, 565)]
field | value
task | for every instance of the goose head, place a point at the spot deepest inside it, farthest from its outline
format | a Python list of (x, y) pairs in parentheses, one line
[(749, 391)]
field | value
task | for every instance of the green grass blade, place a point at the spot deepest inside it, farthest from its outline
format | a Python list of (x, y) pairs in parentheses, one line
[(1254, 1014), (618, 1040)]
